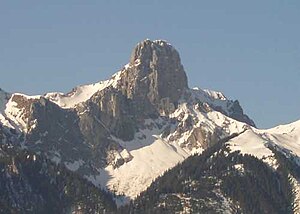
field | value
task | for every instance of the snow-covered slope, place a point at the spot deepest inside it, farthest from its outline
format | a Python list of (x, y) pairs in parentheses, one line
[(148, 163), (77, 95), (82, 93), (251, 143), (285, 136), (257, 142)]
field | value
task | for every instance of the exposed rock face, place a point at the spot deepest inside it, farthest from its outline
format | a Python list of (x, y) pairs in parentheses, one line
[(59, 128), (155, 77), (238, 114), (116, 113), (4, 96)]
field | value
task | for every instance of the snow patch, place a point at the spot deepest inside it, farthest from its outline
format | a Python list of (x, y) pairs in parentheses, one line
[(74, 166), (55, 157), (15, 114), (240, 168)]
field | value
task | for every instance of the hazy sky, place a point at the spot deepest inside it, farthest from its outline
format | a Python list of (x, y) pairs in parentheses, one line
[(249, 50)]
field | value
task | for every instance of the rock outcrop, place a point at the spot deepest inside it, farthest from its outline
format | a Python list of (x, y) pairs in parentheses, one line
[(154, 79)]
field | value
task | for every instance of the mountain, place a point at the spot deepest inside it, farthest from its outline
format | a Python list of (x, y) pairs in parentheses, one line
[(147, 105), (123, 133)]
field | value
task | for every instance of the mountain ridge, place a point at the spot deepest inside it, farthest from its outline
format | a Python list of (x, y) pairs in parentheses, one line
[(124, 132)]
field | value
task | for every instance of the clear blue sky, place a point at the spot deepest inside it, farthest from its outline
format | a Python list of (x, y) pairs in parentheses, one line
[(250, 50)]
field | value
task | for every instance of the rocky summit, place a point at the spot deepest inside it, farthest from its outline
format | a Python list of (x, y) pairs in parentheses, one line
[(123, 133), (158, 69)]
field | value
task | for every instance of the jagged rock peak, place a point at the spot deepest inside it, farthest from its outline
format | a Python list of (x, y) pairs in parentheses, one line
[(144, 50), (148, 49), (160, 63)]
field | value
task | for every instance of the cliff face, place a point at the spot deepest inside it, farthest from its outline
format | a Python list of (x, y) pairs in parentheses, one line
[(154, 80), (158, 70)]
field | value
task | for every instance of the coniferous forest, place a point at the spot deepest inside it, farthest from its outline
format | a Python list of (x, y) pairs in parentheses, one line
[(30, 183)]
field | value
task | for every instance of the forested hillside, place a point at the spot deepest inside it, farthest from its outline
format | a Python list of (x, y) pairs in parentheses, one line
[(29, 183), (221, 181)]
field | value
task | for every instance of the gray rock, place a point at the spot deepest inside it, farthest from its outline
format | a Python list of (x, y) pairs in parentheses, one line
[(238, 114), (155, 78)]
